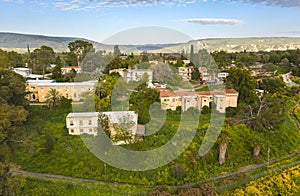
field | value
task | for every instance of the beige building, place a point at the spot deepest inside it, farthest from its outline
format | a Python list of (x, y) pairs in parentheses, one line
[(172, 100), (87, 122), (38, 89), (185, 73)]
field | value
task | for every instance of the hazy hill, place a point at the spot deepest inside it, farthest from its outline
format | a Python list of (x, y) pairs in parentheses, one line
[(19, 42), (239, 44)]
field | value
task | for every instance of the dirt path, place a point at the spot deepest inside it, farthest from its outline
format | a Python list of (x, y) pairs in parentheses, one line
[(246, 169)]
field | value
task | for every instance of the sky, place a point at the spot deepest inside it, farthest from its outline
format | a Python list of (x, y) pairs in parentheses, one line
[(176, 20)]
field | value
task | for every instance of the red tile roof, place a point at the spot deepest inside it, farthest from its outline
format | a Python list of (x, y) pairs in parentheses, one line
[(169, 93)]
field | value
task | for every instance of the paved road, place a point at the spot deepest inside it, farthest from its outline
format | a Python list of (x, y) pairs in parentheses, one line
[(287, 79)]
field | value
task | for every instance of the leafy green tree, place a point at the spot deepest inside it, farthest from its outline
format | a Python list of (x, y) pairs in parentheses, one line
[(117, 51), (15, 59), (141, 100), (43, 57), (10, 184), (71, 59), (80, 48), (145, 57), (244, 83), (266, 115), (143, 65), (104, 122), (69, 77), (4, 60), (196, 76), (12, 88), (272, 85), (56, 72), (122, 129), (12, 118), (222, 58), (269, 67), (296, 70), (192, 55)]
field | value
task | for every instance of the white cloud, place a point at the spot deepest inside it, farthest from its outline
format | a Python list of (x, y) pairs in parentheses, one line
[(96, 4), (214, 21), (281, 3)]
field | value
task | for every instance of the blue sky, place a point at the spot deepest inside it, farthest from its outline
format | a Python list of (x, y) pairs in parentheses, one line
[(99, 19)]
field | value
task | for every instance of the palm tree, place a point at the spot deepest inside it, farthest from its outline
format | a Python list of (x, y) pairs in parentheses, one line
[(53, 97), (223, 142)]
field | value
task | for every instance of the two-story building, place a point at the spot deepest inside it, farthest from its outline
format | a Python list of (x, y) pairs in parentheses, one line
[(88, 122), (185, 100), (185, 73), (39, 89)]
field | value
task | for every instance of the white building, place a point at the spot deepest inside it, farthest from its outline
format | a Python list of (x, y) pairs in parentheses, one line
[(134, 74), (26, 72), (223, 74), (87, 122), (68, 69)]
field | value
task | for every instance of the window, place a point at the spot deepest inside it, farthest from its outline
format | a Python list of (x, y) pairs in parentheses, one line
[(75, 95), (67, 95), (71, 123), (173, 100), (81, 130), (91, 130), (72, 130), (90, 122), (204, 100), (80, 122)]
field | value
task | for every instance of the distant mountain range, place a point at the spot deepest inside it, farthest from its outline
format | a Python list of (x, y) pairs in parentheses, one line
[(19, 42)]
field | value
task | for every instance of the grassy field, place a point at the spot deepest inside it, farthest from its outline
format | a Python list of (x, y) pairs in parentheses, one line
[(45, 187), (70, 157)]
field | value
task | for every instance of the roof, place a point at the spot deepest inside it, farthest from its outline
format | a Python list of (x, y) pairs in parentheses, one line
[(83, 114), (169, 93), (87, 83), (71, 67), (231, 91), (115, 116), (39, 81)]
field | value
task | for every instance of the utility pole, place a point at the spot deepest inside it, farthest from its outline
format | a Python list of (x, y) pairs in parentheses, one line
[(269, 150)]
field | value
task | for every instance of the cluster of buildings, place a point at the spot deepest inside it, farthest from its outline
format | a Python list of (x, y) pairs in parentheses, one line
[(205, 76), (222, 99)]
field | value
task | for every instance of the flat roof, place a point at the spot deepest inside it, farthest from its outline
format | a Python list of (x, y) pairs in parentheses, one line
[(83, 114), (68, 84)]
